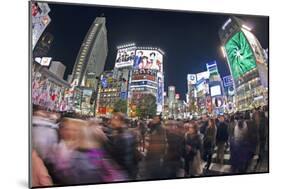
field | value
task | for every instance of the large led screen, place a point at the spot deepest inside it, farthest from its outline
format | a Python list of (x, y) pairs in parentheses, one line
[(148, 59), (240, 55)]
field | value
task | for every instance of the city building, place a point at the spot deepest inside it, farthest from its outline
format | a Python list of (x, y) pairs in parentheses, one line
[(192, 93), (49, 90), (171, 100), (110, 91), (142, 69), (57, 68), (174, 108), (215, 101), (229, 93), (202, 91), (247, 64), (89, 65)]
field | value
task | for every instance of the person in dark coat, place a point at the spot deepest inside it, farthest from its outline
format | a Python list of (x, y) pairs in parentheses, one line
[(123, 145), (156, 149), (142, 129), (172, 159), (239, 147), (192, 149), (252, 138), (204, 124), (209, 141), (221, 138)]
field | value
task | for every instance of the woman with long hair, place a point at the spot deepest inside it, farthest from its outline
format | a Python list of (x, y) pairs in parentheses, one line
[(209, 141)]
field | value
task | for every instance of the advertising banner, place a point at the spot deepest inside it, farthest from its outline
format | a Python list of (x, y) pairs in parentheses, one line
[(125, 57), (240, 55), (215, 90), (144, 74), (204, 75), (148, 59), (160, 91), (228, 81), (218, 101), (45, 61), (39, 24), (191, 79)]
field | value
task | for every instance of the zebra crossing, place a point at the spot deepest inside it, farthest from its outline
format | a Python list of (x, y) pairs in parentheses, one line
[(217, 168)]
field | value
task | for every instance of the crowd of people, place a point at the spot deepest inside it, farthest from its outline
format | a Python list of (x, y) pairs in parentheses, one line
[(69, 150)]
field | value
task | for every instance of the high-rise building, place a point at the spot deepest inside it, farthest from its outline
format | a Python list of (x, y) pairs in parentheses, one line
[(191, 92), (109, 92), (143, 66), (57, 68), (92, 55), (171, 95), (216, 90), (89, 65), (247, 63)]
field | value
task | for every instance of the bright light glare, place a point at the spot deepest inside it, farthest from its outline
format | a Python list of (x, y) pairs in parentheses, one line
[(246, 27), (223, 51)]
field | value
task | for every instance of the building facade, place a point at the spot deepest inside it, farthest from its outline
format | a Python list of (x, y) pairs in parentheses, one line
[(49, 90), (247, 64), (142, 70), (90, 63), (57, 68)]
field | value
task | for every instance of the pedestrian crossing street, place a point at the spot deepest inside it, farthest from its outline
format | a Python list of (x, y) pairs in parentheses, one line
[(222, 169), (215, 168)]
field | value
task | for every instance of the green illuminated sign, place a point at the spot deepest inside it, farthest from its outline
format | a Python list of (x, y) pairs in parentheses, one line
[(240, 55)]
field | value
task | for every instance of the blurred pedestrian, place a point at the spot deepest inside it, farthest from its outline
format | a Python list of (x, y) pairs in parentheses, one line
[(239, 147), (221, 138), (172, 159), (123, 145), (192, 151), (209, 142), (156, 149), (40, 175)]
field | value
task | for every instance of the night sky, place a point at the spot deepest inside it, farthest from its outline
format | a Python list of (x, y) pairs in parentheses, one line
[(189, 39)]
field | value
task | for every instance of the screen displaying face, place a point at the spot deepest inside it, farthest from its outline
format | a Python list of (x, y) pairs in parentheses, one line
[(240, 55)]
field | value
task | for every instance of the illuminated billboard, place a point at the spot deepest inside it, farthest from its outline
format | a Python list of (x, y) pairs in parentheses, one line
[(228, 81), (191, 79), (125, 57), (144, 74), (204, 75), (45, 61), (203, 86), (215, 90), (148, 59), (160, 93), (40, 20), (240, 55)]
